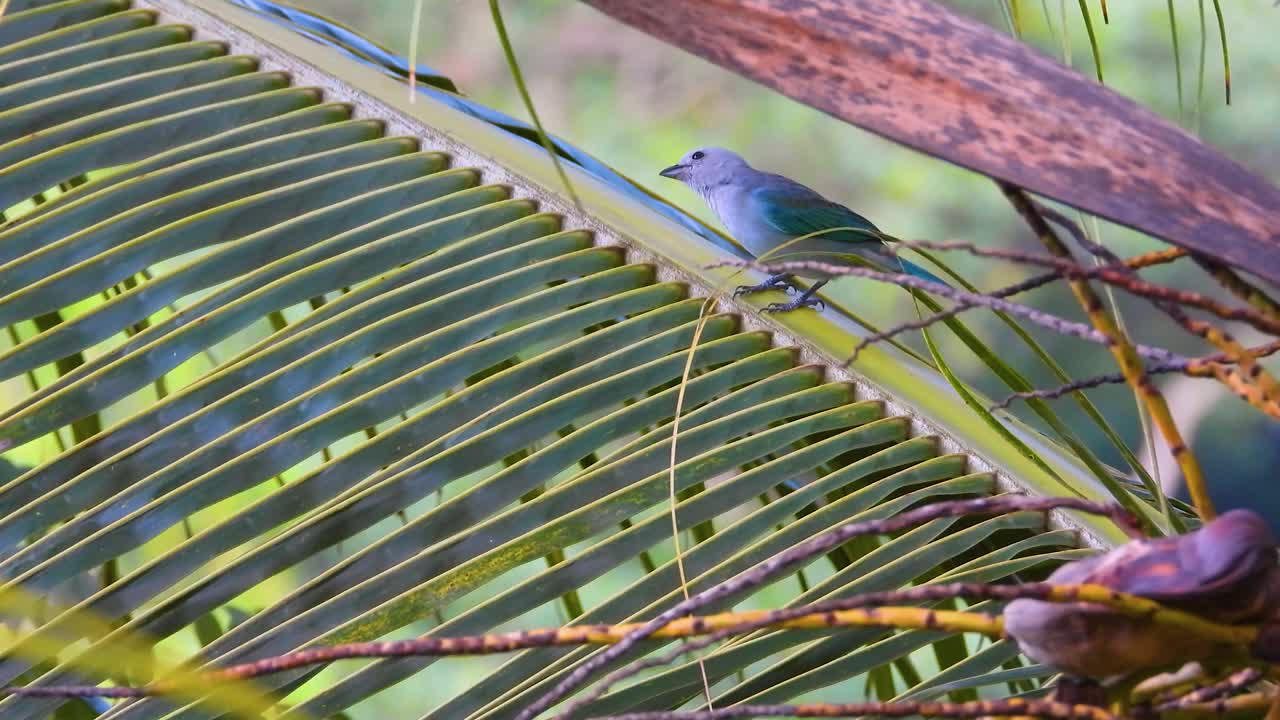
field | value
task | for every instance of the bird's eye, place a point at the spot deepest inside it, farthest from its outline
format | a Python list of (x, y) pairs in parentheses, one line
[(698, 155)]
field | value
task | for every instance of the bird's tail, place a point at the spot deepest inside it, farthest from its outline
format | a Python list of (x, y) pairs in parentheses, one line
[(911, 268), (888, 258)]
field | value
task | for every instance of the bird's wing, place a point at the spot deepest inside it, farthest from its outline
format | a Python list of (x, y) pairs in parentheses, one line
[(793, 209)]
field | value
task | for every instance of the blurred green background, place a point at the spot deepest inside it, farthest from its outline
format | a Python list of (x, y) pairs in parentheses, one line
[(639, 104)]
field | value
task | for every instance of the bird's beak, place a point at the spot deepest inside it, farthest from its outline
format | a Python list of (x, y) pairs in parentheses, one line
[(675, 172)]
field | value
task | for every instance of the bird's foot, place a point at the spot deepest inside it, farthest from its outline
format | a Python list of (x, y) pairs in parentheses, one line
[(1080, 691), (801, 302), (777, 282)]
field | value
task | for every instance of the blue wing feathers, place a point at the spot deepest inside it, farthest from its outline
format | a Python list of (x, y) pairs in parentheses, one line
[(911, 268), (793, 209)]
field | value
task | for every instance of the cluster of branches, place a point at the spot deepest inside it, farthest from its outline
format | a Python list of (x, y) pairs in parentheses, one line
[(1261, 312), (1234, 365), (892, 609)]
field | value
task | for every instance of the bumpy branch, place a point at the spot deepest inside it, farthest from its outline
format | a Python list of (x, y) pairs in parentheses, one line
[(784, 561), (1048, 320), (1013, 707), (1237, 380), (898, 617), (1248, 705), (1116, 273), (1123, 350), (1157, 257), (670, 624), (864, 610), (1239, 287), (1192, 367), (1250, 381), (1241, 636), (1230, 685)]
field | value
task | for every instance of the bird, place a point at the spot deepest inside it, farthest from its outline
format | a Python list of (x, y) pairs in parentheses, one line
[(1225, 571), (763, 211)]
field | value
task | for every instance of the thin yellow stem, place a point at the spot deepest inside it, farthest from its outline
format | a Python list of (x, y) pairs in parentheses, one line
[(1240, 706), (707, 308), (1155, 257), (1126, 357), (414, 25), (1247, 378), (1241, 288)]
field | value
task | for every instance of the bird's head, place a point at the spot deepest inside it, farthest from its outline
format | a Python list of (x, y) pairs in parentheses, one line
[(705, 167)]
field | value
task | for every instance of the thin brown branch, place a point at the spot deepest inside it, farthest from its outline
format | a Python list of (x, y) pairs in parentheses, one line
[(895, 330), (1081, 238), (1192, 367), (1250, 381), (1137, 262), (1247, 705), (896, 617), (1004, 292), (1049, 592), (1201, 367), (1115, 273), (1124, 352), (1240, 287), (863, 610), (1157, 257), (1231, 685), (1039, 317), (1065, 389), (1012, 707), (798, 554)]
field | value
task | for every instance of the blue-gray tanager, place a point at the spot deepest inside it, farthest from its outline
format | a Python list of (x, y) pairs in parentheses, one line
[(763, 211)]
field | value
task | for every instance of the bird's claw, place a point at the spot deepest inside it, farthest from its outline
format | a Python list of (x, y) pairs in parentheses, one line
[(1080, 691), (796, 304), (782, 285)]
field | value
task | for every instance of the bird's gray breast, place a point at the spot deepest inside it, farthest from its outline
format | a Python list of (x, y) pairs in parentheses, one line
[(743, 219)]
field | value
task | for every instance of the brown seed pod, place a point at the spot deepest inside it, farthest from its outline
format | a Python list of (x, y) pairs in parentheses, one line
[(1225, 571)]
